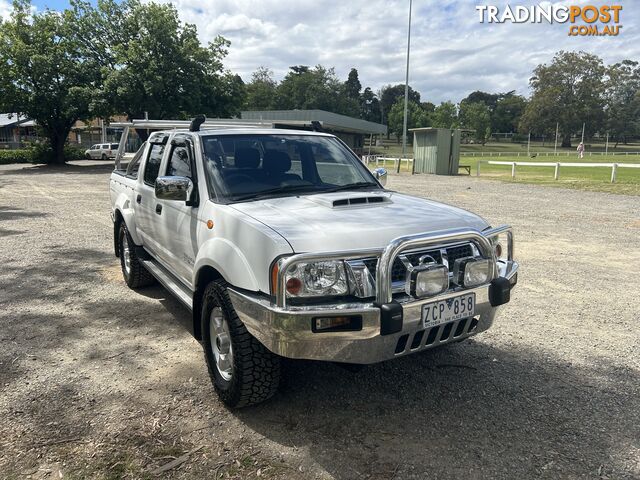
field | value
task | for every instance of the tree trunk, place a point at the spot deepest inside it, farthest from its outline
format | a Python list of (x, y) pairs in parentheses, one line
[(566, 140), (57, 141)]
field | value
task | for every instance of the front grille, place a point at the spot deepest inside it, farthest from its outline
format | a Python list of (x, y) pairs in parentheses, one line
[(437, 335), (399, 270)]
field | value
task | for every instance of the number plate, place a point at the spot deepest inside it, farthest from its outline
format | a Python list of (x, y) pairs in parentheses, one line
[(444, 311)]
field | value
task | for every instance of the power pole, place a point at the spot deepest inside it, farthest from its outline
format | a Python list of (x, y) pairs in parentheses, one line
[(529, 145), (606, 148), (555, 146), (406, 93), (582, 141)]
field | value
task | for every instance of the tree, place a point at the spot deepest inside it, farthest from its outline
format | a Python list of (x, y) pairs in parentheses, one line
[(622, 100), (44, 74), (389, 95), (416, 118), (507, 113), (568, 91), (352, 86), (445, 115), (261, 90), (370, 106), (316, 88), (476, 116)]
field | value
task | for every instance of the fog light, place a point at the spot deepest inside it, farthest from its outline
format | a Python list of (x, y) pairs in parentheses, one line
[(471, 272), (337, 324), (427, 280)]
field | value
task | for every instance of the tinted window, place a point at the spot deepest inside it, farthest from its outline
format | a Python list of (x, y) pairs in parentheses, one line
[(114, 146), (134, 164), (179, 163), (152, 166)]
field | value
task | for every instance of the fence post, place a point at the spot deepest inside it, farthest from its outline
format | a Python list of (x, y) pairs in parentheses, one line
[(513, 170), (614, 171), (557, 172), (478, 168)]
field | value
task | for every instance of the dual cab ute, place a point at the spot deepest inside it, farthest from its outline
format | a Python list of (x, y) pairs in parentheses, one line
[(283, 244)]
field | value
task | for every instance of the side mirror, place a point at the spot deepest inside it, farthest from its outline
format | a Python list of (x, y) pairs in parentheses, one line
[(174, 188), (381, 175)]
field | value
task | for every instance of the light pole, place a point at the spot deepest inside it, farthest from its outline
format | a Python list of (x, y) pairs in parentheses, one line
[(406, 92)]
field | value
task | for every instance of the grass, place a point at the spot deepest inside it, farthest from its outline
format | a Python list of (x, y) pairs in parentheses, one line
[(394, 149), (583, 178)]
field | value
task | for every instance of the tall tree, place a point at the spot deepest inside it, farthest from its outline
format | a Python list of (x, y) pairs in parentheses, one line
[(476, 116), (370, 106), (389, 95), (416, 117), (569, 91), (44, 74), (445, 115), (508, 110), (352, 86), (622, 103), (261, 90)]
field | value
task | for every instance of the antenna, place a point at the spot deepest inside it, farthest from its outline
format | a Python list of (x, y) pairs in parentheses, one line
[(196, 122)]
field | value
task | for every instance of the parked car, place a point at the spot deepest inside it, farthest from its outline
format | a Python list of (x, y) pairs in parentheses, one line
[(102, 151), (283, 244)]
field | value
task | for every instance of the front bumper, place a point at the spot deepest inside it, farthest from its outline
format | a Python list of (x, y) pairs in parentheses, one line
[(287, 331)]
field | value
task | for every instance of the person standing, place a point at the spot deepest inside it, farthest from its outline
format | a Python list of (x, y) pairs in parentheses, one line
[(580, 150)]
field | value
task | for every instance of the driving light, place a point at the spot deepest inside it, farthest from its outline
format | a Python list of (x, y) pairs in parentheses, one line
[(470, 272), (337, 324), (427, 280), (317, 279)]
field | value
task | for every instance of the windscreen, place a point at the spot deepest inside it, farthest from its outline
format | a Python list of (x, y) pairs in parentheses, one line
[(241, 167)]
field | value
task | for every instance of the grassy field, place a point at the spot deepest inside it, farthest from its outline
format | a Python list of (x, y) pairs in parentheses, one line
[(583, 178), (393, 149)]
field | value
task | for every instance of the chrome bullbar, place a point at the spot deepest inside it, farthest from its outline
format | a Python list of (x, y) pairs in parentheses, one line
[(386, 257)]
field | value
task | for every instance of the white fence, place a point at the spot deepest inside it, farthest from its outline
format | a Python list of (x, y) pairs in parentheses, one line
[(557, 165), (542, 154), (377, 160)]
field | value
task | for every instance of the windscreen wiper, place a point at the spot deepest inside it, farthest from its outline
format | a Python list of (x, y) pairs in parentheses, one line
[(271, 191), (351, 186)]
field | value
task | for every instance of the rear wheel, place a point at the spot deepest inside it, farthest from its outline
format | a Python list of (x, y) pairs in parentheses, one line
[(104, 157), (242, 370), (135, 275)]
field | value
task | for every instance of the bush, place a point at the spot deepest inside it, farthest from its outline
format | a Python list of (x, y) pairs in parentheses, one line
[(15, 156), (38, 153)]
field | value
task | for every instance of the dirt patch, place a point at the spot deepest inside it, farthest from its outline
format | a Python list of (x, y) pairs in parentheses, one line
[(98, 381)]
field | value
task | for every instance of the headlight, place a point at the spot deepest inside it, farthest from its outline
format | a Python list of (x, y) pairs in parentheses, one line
[(316, 279), (471, 272)]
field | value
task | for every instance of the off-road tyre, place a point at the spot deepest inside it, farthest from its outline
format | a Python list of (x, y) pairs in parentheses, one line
[(103, 157), (256, 371), (137, 276)]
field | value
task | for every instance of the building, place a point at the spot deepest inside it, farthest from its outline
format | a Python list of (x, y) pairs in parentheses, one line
[(15, 130), (351, 130)]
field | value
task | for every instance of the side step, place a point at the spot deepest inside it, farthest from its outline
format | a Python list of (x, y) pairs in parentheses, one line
[(171, 283)]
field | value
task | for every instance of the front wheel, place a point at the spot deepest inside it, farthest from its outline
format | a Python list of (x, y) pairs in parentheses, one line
[(133, 272), (242, 370)]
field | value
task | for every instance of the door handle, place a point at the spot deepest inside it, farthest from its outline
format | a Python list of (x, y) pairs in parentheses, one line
[(158, 209), (139, 199)]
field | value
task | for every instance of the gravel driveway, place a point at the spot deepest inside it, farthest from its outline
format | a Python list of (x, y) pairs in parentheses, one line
[(99, 381)]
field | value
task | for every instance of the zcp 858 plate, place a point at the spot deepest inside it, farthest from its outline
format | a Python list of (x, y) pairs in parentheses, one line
[(449, 310)]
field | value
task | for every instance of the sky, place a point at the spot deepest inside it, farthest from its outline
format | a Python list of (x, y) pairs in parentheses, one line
[(452, 53)]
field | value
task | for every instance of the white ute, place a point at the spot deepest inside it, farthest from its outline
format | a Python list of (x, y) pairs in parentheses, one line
[(283, 244)]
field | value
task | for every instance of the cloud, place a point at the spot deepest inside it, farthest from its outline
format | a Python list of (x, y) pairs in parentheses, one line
[(5, 9)]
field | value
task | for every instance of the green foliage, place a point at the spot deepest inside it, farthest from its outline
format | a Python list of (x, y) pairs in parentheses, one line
[(445, 115), (44, 74), (389, 95), (261, 90), (568, 91), (622, 100), (314, 88), (353, 86), (416, 117), (156, 64), (38, 153), (370, 106), (476, 116), (507, 113)]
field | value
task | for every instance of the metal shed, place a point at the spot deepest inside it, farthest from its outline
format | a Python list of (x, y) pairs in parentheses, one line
[(436, 150)]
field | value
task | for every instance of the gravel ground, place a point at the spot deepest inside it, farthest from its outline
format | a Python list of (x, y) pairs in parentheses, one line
[(98, 381)]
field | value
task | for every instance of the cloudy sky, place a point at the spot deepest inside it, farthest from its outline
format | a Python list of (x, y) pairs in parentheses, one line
[(452, 53)]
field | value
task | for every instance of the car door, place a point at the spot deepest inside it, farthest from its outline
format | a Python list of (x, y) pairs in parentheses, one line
[(93, 153), (179, 221), (145, 197)]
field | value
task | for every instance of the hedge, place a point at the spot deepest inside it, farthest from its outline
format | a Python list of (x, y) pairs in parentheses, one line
[(38, 153)]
